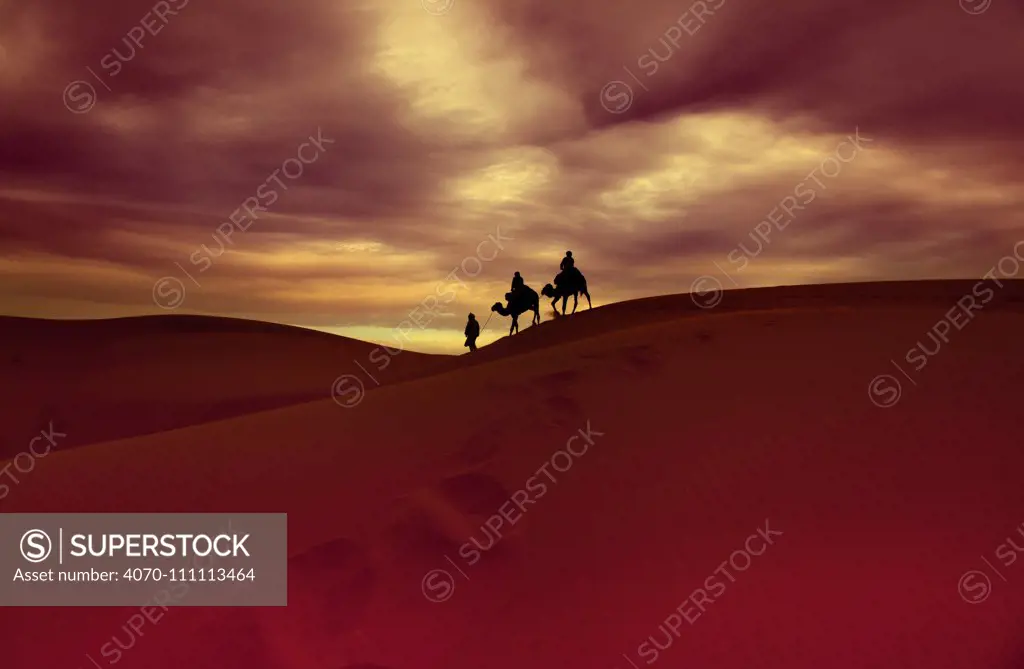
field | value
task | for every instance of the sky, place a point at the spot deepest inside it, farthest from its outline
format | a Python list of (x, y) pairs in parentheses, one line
[(380, 168)]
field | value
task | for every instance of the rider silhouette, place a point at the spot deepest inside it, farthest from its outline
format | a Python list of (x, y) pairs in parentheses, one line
[(567, 262), (517, 283)]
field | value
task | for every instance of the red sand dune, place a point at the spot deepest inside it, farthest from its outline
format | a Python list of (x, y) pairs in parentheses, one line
[(110, 379), (713, 425)]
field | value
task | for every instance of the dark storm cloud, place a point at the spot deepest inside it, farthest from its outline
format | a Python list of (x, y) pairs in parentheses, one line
[(95, 206), (917, 68), (285, 70)]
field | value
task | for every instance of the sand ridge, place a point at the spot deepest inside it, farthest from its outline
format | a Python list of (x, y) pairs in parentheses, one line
[(712, 422)]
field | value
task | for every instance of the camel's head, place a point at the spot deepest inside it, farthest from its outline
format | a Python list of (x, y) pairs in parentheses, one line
[(497, 306), (548, 290)]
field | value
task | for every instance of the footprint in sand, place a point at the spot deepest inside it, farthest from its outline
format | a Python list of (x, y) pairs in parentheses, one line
[(641, 358), (333, 582), (474, 493), (638, 359), (560, 380), (557, 407), (561, 405), (437, 520), (330, 587), (482, 445), (548, 403)]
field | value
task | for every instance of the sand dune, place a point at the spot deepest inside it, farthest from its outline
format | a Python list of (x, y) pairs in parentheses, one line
[(705, 429), (591, 322), (115, 378)]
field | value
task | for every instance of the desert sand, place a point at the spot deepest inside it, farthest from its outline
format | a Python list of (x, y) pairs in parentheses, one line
[(758, 425), (111, 379)]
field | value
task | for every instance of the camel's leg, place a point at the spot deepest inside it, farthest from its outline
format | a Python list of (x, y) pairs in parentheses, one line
[(536, 315), (554, 304), (565, 301), (589, 305), (575, 302)]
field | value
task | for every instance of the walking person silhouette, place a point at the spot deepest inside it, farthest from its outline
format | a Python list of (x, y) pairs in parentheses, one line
[(472, 332)]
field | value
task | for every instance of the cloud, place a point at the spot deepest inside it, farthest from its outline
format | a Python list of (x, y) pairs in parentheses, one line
[(443, 129)]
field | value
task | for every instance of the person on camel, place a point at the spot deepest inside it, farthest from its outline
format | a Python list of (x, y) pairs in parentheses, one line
[(567, 268), (568, 282), (517, 284)]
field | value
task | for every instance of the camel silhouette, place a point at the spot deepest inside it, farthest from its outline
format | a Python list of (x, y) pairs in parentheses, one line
[(570, 282), (526, 300)]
